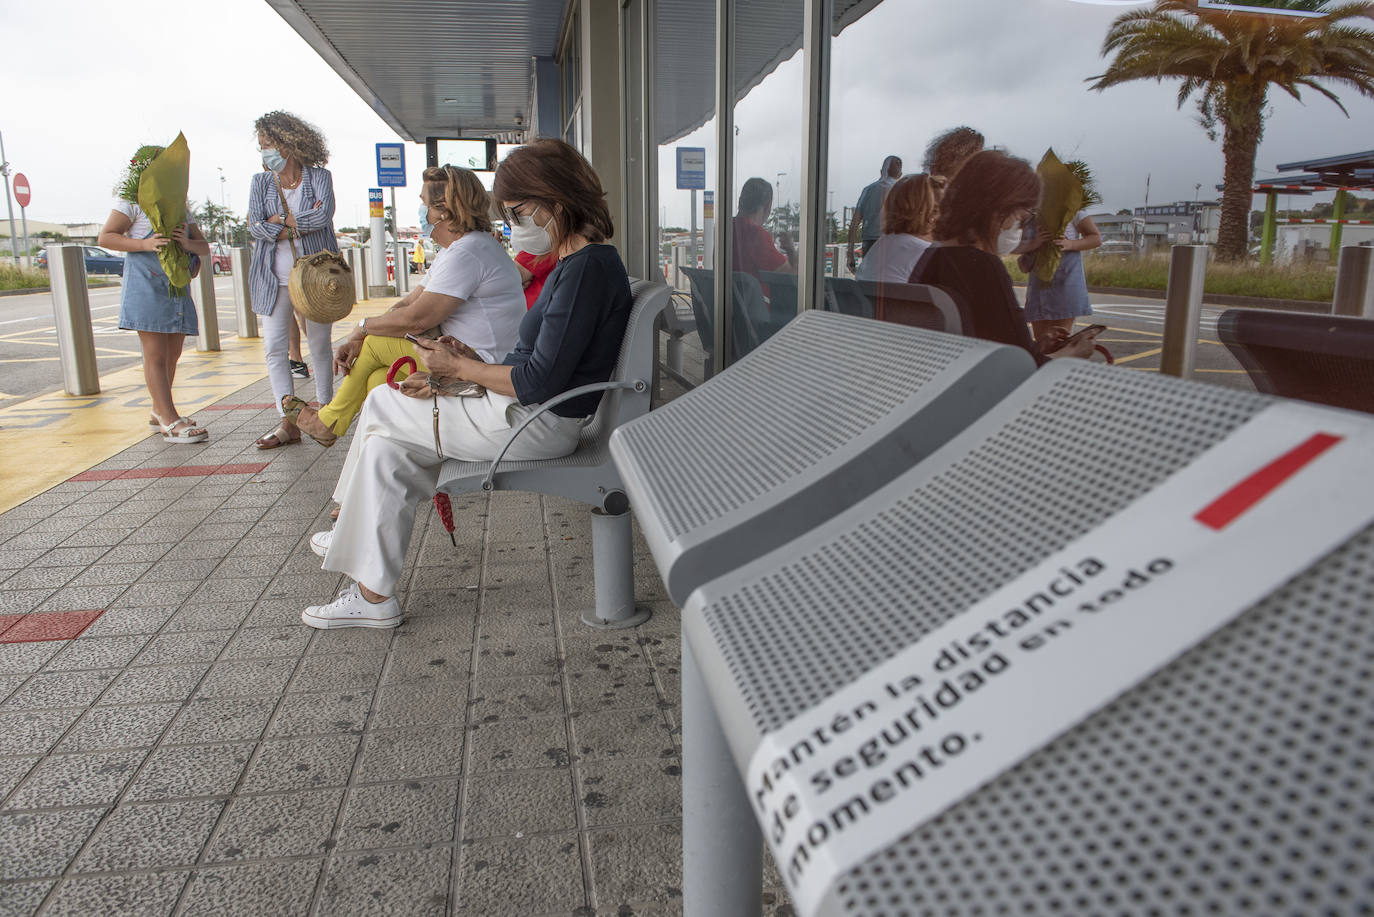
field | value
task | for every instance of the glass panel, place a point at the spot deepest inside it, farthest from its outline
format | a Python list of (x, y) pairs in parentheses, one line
[(765, 203), (684, 117)]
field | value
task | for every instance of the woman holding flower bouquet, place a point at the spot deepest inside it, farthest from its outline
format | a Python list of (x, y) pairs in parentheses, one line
[(149, 303)]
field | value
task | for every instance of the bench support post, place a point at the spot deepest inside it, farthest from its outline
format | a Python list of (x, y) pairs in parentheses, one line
[(613, 571), (722, 850)]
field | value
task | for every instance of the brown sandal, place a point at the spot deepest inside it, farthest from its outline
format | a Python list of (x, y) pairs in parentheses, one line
[(277, 437), (305, 417)]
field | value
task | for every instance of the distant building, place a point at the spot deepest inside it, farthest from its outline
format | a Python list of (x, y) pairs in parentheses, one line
[(1298, 243), (1180, 223)]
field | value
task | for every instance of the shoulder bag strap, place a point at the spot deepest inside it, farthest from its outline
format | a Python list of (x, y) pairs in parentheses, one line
[(286, 209)]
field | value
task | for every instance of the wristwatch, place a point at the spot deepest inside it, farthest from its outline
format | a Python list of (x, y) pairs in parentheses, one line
[(362, 325)]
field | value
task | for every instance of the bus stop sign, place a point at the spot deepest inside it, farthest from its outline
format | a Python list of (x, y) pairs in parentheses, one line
[(391, 165)]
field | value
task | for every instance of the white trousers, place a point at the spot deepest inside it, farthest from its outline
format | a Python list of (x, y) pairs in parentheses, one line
[(392, 467), (276, 330)]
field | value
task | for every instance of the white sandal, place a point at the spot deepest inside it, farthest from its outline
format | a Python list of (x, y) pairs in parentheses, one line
[(189, 434)]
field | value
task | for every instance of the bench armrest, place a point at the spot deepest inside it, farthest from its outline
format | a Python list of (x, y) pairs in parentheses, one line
[(637, 385)]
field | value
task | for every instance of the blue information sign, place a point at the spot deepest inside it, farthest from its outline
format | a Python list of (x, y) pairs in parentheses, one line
[(691, 168), (391, 165)]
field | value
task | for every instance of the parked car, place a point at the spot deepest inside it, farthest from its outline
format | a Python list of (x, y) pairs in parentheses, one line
[(40, 260), (102, 261), (220, 261)]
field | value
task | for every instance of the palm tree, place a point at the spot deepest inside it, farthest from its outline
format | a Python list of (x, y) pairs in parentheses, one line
[(1229, 60)]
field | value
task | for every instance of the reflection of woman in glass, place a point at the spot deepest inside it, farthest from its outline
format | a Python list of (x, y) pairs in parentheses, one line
[(980, 220), (290, 203), (909, 212), (146, 304), (1052, 307)]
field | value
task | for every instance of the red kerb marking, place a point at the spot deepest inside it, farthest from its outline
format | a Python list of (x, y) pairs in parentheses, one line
[(8, 621), (179, 471), (51, 625), (1225, 509)]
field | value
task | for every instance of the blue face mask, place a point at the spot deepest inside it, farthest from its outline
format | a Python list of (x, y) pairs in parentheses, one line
[(426, 227), (273, 159)]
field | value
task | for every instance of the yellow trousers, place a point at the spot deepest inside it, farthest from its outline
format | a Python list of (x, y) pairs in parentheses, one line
[(368, 372)]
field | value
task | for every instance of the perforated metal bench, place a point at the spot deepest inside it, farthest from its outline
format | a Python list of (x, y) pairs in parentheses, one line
[(915, 304), (819, 416), (1236, 780), (588, 474), (1328, 359)]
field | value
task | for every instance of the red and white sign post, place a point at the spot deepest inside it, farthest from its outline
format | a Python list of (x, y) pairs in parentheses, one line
[(22, 196)]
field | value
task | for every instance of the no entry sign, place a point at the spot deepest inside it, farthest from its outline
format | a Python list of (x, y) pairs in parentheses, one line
[(21, 189)]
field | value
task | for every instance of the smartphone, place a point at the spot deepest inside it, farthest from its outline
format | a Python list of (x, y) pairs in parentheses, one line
[(1090, 331), (410, 337)]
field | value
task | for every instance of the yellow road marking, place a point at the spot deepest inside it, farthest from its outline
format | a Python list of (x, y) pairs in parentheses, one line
[(1219, 371), (63, 435), (1140, 356), (30, 360)]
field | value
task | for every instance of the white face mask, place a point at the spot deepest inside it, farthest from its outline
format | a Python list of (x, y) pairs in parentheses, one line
[(529, 236), (1008, 239)]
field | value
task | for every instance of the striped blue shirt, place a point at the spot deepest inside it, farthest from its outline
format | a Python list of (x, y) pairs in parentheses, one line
[(315, 225)]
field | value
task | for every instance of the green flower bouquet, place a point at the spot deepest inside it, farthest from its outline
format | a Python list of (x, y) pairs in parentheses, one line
[(157, 179), (1065, 189)]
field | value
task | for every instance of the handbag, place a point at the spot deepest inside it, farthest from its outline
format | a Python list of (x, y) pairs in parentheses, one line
[(451, 387), (321, 285)]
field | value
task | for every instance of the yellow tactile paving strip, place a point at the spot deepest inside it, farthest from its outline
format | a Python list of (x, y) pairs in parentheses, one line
[(49, 438)]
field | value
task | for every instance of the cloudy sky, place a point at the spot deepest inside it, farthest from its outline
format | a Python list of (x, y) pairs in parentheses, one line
[(1016, 70), (85, 94)]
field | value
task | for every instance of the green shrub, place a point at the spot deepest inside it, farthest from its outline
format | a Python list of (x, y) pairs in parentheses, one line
[(18, 278), (1267, 281)]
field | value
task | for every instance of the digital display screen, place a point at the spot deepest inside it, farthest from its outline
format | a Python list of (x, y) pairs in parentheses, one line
[(478, 154)]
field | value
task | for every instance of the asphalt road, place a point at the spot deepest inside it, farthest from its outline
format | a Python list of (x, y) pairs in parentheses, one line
[(29, 363)]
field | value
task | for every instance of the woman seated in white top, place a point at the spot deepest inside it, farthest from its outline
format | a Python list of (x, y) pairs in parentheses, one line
[(472, 293), (909, 213)]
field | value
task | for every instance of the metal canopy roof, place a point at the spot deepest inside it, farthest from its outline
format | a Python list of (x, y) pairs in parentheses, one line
[(1345, 163), (405, 57)]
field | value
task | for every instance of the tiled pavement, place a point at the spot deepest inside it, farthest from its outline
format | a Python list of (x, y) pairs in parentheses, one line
[(197, 750)]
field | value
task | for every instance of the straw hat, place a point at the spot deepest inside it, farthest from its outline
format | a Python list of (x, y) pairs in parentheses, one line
[(321, 287)]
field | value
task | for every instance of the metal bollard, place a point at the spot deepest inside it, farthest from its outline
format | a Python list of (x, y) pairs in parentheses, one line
[(1183, 309), (674, 354), (71, 309), (402, 270), (613, 572), (1355, 283), (203, 295), (679, 278), (357, 259), (243, 298)]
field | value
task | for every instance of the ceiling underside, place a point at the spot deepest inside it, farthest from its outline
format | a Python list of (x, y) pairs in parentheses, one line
[(406, 57)]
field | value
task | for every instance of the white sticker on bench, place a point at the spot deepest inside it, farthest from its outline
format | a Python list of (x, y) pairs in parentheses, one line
[(915, 735)]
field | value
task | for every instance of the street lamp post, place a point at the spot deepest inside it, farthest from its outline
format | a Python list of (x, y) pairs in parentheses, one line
[(223, 228)]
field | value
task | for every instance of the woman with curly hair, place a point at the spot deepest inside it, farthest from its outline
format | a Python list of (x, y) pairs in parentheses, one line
[(291, 202), (146, 301)]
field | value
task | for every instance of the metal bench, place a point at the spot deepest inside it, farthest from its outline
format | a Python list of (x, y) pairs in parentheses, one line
[(588, 474), (1234, 780), (845, 296), (818, 417), (917, 304), (749, 314), (1328, 359)]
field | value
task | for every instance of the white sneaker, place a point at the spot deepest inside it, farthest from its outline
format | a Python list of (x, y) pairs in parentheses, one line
[(319, 542), (350, 609)]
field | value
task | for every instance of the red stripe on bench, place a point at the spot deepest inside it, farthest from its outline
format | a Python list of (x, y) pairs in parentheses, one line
[(1225, 509), (37, 627), (179, 471)]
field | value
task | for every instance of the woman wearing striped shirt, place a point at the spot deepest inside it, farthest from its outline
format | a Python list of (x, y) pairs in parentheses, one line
[(293, 158)]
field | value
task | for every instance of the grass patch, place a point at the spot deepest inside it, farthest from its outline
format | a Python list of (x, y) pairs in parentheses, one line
[(19, 278), (1266, 281)]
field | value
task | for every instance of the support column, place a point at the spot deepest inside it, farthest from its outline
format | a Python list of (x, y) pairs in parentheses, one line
[(1271, 205), (1183, 309), (613, 569), (722, 849), (1337, 214)]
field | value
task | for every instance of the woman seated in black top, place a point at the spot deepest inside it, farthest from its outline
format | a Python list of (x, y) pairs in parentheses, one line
[(571, 336), (980, 220)]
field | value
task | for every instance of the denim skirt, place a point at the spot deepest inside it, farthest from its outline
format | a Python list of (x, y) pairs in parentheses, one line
[(146, 305), (1065, 296)]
